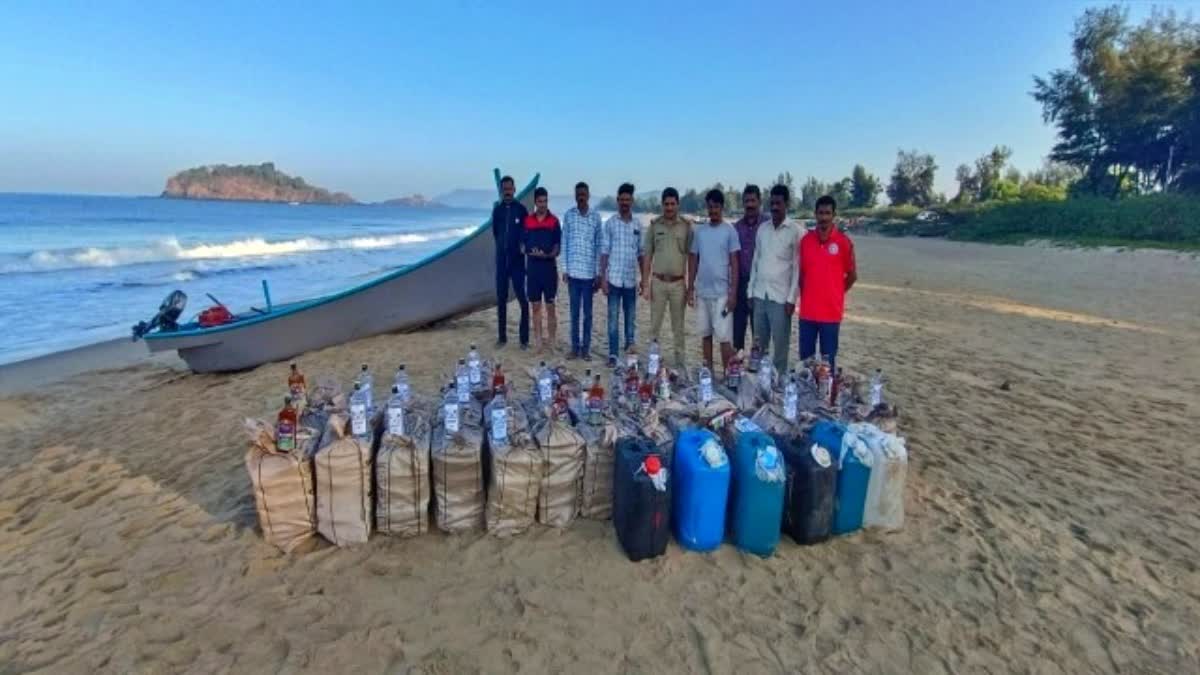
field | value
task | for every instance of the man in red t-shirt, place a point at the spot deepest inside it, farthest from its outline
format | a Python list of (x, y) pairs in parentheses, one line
[(827, 271)]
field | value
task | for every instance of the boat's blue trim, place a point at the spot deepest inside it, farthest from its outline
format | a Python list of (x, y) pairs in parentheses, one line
[(303, 305)]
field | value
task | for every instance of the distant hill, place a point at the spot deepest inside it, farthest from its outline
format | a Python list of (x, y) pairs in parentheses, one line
[(415, 201), (468, 198), (261, 183)]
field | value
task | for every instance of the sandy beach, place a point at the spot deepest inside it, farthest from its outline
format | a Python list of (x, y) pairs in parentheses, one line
[(1049, 396)]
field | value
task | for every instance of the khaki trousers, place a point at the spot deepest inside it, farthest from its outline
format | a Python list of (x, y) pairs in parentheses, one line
[(668, 295)]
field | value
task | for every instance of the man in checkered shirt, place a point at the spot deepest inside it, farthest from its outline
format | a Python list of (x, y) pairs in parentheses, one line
[(621, 256), (580, 250)]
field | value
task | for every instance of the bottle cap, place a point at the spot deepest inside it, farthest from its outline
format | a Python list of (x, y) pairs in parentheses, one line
[(364, 366), (401, 366), (653, 464)]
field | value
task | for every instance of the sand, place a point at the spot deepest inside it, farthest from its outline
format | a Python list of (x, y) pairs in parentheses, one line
[(1052, 524)]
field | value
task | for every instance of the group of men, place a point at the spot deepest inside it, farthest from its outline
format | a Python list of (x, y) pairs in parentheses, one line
[(740, 277)]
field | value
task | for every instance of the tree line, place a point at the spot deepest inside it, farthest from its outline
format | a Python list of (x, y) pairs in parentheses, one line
[(1127, 115), (858, 190)]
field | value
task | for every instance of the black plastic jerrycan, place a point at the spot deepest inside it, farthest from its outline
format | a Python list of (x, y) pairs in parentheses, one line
[(641, 498), (811, 487)]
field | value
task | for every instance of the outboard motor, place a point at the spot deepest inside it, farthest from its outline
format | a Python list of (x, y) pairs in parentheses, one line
[(167, 318)]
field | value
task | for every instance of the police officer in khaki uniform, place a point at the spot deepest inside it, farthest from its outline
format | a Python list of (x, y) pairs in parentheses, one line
[(668, 241)]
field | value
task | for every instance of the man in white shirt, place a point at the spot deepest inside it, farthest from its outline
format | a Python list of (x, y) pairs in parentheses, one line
[(773, 278)]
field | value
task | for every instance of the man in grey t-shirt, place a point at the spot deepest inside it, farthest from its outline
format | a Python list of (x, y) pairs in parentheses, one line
[(712, 283)]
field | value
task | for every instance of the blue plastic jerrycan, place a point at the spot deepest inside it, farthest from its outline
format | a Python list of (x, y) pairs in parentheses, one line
[(701, 489), (756, 497), (854, 462)]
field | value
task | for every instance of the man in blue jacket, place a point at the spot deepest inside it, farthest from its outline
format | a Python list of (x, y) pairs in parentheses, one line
[(508, 229)]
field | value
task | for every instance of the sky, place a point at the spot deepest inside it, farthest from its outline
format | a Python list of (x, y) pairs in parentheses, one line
[(390, 98)]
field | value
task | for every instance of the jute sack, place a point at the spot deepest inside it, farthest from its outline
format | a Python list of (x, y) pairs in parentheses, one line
[(653, 427), (515, 477), (283, 487), (562, 450), (770, 419), (402, 485), (595, 491), (343, 471), (456, 462)]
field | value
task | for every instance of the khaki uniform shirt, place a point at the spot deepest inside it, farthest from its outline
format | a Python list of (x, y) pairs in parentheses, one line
[(668, 243)]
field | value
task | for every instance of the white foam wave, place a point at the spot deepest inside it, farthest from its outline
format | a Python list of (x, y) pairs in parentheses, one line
[(171, 249)]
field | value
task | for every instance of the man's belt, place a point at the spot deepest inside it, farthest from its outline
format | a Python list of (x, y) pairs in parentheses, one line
[(668, 278)]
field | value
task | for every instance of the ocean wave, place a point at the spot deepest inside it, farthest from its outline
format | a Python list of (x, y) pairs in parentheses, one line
[(184, 276), (171, 250)]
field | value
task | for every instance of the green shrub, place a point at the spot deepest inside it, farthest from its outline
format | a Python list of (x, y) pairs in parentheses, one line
[(1163, 220)]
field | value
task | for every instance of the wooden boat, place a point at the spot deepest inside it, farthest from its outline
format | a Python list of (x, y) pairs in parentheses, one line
[(455, 281)]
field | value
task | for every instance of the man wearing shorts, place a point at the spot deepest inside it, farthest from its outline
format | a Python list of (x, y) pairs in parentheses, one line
[(827, 271), (712, 283), (543, 236)]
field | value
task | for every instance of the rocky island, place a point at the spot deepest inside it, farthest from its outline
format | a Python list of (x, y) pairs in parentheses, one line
[(244, 182)]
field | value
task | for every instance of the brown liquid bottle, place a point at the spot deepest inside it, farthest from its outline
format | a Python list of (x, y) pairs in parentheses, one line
[(595, 402), (297, 386), (646, 394), (559, 406), (631, 380), (286, 424), (498, 383)]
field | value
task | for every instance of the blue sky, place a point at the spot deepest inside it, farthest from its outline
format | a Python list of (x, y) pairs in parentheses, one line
[(384, 99)]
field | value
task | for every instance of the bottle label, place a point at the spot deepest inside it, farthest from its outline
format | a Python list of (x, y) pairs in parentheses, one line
[(476, 373), (545, 389), (500, 424), (463, 387), (706, 390), (821, 456), (451, 411), (285, 437), (358, 419), (876, 395), (652, 364), (395, 420)]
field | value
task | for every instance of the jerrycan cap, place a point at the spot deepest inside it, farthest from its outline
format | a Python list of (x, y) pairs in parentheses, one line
[(653, 464), (821, 456)]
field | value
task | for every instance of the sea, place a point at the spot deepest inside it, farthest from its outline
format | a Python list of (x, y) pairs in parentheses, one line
[(75, 270)]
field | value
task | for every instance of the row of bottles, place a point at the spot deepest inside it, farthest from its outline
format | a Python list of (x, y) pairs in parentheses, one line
[(287, 422)]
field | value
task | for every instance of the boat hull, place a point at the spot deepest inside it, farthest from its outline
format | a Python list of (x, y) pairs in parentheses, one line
[(456, 281)]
